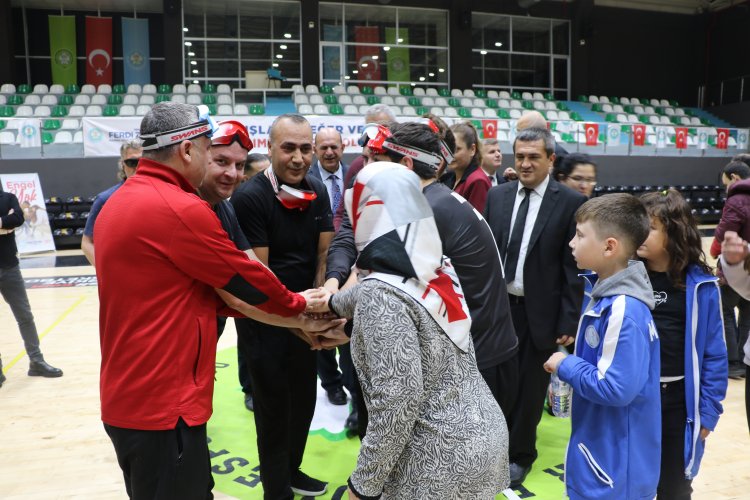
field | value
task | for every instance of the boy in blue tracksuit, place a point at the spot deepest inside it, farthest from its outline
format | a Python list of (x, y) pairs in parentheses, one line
[(614, 448)]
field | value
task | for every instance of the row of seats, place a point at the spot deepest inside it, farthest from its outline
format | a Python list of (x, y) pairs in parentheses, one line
[(10, 138), (408, 91), (593, 99), (455, 102), (449, 112), (41, 88), (103, 99), (706, 202), (639, 110), (44, 111)]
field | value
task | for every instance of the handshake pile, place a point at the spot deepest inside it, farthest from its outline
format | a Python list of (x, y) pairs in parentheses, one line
[(317, 326)]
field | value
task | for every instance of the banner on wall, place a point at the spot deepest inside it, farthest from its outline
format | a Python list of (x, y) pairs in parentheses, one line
[(103, 136), (135, 51), (331, 54), (368, 56), (398, 57), (35, 235), (98, 50), (62, 49)]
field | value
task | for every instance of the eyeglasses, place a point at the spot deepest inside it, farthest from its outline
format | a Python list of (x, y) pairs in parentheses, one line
[(131, 162), (230, 131), (582, 180)]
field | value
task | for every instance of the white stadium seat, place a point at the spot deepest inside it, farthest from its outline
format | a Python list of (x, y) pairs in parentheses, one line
[(393, 91), (315, 99), (7, 88), (345, 99), (149, 88), (224, 110), (401, 101), (134, 88), (305, 109), (387, 100), (23, 111), (147, 99), (339, 89), (351, 109), (311, 89), (7, 137), (489, 113), (301, 99), (142, 110), (477, 113), (538, 96), (70, 124), (179, 98), (78, 110), (93, 110), (83, 100), (223, 99), (130, 99), (85, 89), (379, 90), (527, 96), (32, 100), (353, 90), (194, 99), (78, 137), (240, 110), (99, 99), (363, 109), (104, 89), (451, 112), (63, 137), (359, 100), (42, 111), (179, 89), (225, 89), (58, 89), (194, 88), (431, 92), (49, 100), (456, 93), (408, 111), (419, 92), (604, 99), (503, 94), (492, 94), (40, 88), (320, 109), (127, 110)]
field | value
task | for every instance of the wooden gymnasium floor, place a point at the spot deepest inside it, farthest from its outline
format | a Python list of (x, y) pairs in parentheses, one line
[(53, 444)]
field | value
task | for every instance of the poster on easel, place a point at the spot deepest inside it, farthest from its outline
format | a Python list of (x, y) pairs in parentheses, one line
[(35, 235)]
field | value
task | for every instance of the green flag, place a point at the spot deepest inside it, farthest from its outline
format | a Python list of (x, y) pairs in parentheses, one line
[(62, 49), (398, 57)]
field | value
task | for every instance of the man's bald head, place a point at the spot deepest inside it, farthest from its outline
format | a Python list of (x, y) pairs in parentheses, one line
[(329, 148), (531, 119)]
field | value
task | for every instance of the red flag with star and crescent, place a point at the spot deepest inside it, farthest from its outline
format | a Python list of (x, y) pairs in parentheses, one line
[(639, 135), (680, 137), (722, 138), (489, 129), (98, 50), (368, 62), (592, 134)]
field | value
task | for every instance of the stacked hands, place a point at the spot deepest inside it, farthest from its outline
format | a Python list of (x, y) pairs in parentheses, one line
[(320, 327), (317, 326)]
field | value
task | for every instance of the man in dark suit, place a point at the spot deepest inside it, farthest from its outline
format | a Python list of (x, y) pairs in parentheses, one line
[(532, 220), (329, 149)]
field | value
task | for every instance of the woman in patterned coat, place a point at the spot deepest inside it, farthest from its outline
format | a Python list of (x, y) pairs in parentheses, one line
[(435, 430)]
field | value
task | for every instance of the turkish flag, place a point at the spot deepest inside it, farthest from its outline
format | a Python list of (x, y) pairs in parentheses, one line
[(99, 50), (368, 62), (592, 134), (722, 137), (489, 129), (680, 138), (639, 135)]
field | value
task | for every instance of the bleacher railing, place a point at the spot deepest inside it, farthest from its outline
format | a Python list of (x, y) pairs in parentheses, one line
[(102, 136)]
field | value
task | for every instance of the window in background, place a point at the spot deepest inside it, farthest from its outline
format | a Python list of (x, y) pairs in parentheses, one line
[(378, 46), (229, 38)]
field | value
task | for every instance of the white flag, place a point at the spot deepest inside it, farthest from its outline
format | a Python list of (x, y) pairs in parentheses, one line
[(613, 135), (28, 134), (742, 135), (702, 138), (661, 137)]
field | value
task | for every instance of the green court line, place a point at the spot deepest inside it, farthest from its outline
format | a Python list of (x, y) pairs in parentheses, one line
[(64, 315)]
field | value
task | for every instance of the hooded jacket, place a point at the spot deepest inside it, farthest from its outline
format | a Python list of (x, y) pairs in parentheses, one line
[(705, 363), (615, 443), (734, 215)]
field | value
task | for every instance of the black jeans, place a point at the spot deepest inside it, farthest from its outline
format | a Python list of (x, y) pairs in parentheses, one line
[(13, 291), (283, 373), (735, 329), (672, 482), (328, 369), (164, 465), (502, 380)]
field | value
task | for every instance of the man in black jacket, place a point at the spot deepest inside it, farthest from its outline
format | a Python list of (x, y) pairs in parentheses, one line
[(14, 291), (533, 220), (468, 242)]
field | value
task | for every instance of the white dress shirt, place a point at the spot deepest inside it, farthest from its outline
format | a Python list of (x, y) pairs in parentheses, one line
[(493, 177), (515, 287), (326, 176)]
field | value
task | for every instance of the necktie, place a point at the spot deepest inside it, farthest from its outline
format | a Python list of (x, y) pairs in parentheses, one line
[(516, 235), (335, 193), (493, 179)]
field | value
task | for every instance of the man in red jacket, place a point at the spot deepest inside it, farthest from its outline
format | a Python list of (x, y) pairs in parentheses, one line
[(161, 253)]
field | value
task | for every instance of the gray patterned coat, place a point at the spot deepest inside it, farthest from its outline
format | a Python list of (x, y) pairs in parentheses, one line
[(435, 430)]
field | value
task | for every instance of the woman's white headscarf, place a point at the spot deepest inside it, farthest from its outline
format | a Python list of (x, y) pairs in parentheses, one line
[(399, 244)]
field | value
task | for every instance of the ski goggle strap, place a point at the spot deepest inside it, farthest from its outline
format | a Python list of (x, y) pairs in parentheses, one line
[(230, 131), (445, 151), (382, 142), (205, 126), (291, 198)]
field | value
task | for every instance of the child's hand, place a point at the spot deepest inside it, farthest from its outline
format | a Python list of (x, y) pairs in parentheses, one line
[(704, 433), (553, 363)]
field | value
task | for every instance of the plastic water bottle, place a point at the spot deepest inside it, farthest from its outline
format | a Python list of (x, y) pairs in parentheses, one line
[(560, 396)]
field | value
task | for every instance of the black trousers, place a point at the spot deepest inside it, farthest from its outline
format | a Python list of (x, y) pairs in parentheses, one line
[(672, 482), (532, 389), (328, 369), (283, 372), (735, 329), (164, 465), (502, 380), (242, 371)]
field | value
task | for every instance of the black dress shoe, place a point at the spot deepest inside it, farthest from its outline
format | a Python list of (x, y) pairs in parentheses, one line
[(352, 422), (249, 402), (42, 369), (337, 396), (518, 474)]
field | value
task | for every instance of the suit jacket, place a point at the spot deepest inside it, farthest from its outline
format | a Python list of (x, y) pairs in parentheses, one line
[(552, 288), (315, 172)]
